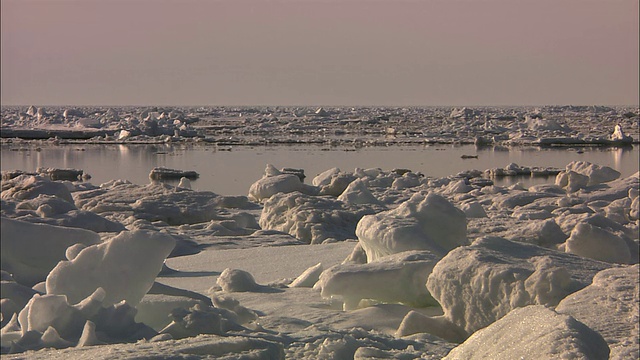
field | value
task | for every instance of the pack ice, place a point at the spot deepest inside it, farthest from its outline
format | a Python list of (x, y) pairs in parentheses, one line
[(378, 264)]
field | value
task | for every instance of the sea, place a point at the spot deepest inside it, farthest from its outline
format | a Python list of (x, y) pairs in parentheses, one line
[(232, 170)]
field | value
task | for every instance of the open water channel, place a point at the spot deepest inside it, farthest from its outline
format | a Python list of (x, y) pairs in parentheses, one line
[(231, 171)]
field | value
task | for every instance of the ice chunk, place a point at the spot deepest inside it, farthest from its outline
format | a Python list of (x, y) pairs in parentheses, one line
[(8, 309), (539, 124), (610, 306), (200, 320), (63, 174), (357, 255), (309, 277), (601, 244), (619, 210), (473, 209), (511, 200), (619, 136), (125, 267), (14, 297), (271, 170), (88, 337), (463, 113), (47, 312), (597, 174), (406, 181), (568, 222), (52, 210), (325, 177), (571, 180), (116, 323), (394, 278), (337, 185), (153, 202), (185, 183), (358, 193), (533, 332), (51, 339), (546, 233), (236, 280), (55, 205), (73, 251), (182, 206), (424, 222), (634, 208), (478, 284), (313, 219), (10, 332), (29, 251), (51, 310), (271, 185), (29, 187), (31, 111), (154, 309), (458, 187), (240, 313), (161, 173), (526, 213), (415, 322)]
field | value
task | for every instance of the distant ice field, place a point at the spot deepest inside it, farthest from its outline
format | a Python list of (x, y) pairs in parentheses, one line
[(231, 171)]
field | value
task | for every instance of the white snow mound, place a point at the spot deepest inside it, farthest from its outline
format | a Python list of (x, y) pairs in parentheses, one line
[(478, 284), (394, 278), (29, 251), (313, 219), (593, 242), (597, 174), (271, 185), (424, 222), (610, 306), (125, 267), (533, 332)]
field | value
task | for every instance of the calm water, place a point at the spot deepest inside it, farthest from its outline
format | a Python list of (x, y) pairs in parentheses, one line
[(232, 172)]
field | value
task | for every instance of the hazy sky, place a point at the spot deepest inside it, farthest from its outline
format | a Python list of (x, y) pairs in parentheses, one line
[(319, 52)]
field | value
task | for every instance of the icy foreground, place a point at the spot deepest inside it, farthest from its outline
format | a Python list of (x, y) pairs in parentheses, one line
[(533, 330), (377, 264)]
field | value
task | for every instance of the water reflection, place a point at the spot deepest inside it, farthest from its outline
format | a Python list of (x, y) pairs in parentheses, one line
[(617, 158), (233, 172)]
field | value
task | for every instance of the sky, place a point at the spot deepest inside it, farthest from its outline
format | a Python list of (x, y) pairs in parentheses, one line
[(319, 52)]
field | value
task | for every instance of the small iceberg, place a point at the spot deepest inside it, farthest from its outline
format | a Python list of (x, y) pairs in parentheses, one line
[(162, 173)]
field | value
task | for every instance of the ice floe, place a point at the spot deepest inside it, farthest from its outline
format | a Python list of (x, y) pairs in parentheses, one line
[(543, 126), (399, 265)]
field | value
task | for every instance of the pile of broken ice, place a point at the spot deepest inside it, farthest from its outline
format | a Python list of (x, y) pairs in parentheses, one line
[(548, 271), (350, 126)]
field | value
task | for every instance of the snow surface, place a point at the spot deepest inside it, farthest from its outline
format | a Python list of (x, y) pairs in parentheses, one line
[(361, 264), (614, 295), (533, 330)]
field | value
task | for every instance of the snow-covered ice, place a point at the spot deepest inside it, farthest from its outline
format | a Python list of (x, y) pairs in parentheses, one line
[(533, 332), (421, 223), (124, 267), (610, 305), (399, 278), (30, 251), (363, 264)]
